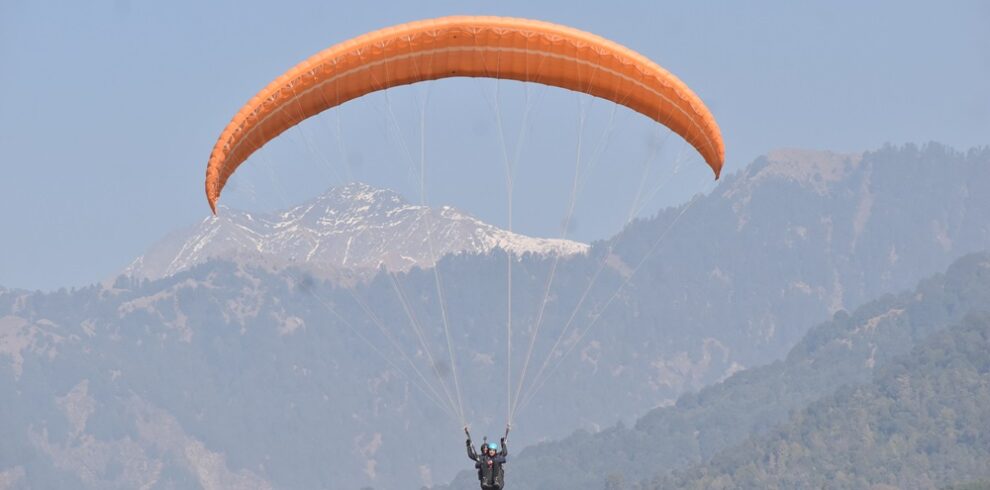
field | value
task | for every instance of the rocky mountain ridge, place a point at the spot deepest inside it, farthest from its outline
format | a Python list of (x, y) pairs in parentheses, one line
[(355, 228)]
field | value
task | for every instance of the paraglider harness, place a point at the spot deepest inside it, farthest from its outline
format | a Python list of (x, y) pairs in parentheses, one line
[(491, 474)]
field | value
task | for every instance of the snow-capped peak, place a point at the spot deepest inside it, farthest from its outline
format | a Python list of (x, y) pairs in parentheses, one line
[(355, 227)]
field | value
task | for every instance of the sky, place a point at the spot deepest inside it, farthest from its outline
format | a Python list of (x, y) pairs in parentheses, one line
[(109, 110)]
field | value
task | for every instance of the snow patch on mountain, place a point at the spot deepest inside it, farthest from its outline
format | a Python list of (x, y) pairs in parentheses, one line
[(353, 228)]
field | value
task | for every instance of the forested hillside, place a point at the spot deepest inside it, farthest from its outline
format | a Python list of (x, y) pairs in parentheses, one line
[(922, 423), (844, 351)]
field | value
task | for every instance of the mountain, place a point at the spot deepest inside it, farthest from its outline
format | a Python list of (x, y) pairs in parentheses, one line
[(354, 228), (799, 235), (844, 351), (273, 374), (921, 423)]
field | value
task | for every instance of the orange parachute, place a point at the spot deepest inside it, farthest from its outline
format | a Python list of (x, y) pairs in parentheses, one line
[(464, 46)]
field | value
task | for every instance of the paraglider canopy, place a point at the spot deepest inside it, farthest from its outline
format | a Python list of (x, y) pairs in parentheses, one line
[(464, 46)]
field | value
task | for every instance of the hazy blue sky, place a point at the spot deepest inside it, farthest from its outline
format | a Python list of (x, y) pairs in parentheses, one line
[(109, 109)]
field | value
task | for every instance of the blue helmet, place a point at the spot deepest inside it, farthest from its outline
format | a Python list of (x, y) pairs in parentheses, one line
[(493, 446)]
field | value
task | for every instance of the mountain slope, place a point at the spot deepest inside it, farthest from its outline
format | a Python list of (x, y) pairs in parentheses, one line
[(800, 235), (288, 379), (843, 351), (922, 423), (354, 227)]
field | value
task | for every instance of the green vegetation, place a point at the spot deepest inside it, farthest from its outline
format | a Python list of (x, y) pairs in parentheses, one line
[(922, 423), (972, 485), (838, 353)]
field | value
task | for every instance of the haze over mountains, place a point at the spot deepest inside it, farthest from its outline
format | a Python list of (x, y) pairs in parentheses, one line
[(227, 374)]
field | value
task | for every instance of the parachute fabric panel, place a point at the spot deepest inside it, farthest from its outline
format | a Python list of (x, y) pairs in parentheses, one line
[(464, 46)]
